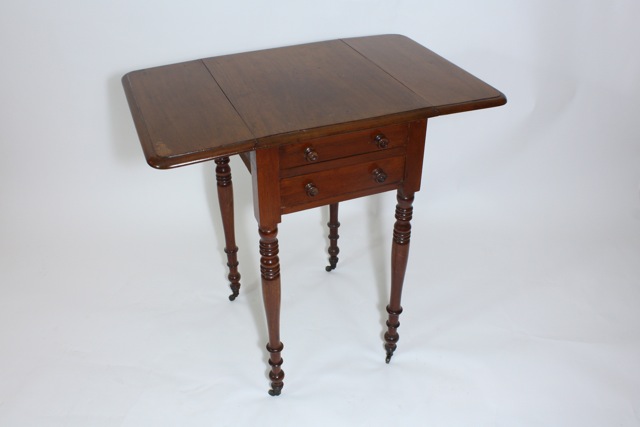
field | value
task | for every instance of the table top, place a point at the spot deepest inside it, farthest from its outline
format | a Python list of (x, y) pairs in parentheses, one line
[(199, 110)]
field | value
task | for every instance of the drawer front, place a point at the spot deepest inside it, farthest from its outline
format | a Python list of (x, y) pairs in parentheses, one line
[(341, 183), (343, 145)]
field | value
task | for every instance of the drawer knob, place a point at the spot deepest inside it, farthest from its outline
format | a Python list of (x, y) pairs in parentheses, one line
[(379, 175), (381, 141), (311, 189), (310, 154)]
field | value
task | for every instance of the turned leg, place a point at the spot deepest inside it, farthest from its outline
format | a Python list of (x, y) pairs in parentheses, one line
[(333, 236), (399, 257), (225, 198), (270, 271)]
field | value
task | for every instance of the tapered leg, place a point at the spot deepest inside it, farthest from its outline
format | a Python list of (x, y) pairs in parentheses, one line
[(333, 236), (399, 257), (225, 199), (270, 271)]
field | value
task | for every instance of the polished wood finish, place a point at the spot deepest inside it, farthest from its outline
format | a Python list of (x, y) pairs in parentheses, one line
[(315, 124), (272, 89), (265, 174), (270, 272), (399, 258), (199, 110), (343, 145), (182, 116), (415, 155), (266, 202), (340, 182), (445, 86), (225, 200)]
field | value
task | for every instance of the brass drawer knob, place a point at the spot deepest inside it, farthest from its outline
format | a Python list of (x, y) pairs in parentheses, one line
[(310, 154), (311, 189), (381, 141), (379, 175)]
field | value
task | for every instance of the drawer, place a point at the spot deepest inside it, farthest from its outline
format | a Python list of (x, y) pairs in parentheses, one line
[(344, 145), (341, 183)]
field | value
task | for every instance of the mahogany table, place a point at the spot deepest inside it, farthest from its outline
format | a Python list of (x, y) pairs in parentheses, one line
[(316, 124)]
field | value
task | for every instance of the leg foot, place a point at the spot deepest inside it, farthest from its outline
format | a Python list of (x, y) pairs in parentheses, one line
[(276, 378), (391, 337), (234, 276), (333, 237)]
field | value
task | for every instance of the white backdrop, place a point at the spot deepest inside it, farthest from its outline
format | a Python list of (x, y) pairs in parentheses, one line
[(522, 297)]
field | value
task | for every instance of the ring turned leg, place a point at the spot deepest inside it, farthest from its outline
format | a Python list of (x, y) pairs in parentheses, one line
[(333, 236), (270, 272), (399, 257), (225, 199)]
